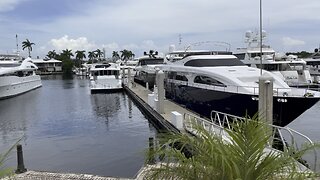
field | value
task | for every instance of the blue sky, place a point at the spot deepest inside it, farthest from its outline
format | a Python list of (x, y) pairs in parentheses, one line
[(141, 25)]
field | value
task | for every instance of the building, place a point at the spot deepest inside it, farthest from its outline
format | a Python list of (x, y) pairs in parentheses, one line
[(48, 66)]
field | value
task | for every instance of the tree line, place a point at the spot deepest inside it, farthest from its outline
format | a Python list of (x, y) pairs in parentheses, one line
[(68, 62)]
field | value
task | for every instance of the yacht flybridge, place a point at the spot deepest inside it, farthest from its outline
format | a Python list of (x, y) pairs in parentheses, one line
[(291, 69), (223, 83), (17, 78)]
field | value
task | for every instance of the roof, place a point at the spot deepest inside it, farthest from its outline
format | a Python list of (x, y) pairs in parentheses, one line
[(38, 61)]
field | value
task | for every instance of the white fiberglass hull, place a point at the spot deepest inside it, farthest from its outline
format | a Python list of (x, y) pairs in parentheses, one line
[(105, 83), (14, 85)]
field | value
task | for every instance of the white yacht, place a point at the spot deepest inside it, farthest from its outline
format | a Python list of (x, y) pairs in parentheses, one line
[(105, 77), (130, 64), (17, 78), (291, 69), (222, 83), (145, 69)]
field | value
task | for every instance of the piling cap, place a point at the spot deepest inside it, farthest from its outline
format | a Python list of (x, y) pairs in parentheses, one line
[(266, 77)]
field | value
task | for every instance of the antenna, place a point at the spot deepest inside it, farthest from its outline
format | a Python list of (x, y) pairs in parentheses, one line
[(17, 45)]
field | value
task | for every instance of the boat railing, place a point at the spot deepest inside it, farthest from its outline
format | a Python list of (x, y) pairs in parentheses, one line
[(282, 137), (251, 90)]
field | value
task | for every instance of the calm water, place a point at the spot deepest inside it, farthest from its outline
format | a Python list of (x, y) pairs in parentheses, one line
[(66, 129)]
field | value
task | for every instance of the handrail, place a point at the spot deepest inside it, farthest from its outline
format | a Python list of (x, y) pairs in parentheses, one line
[(220, 121)]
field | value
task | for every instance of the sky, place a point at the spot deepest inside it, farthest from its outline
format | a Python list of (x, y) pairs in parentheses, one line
[(141, 25)]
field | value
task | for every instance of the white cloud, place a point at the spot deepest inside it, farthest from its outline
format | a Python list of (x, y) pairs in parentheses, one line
[(287, 41), (65, 42), (8, 5)]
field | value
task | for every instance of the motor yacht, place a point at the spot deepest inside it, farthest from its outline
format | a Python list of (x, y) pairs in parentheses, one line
[(17, 78), (222, 83), (145, 69), (105, 77), (290, 68)]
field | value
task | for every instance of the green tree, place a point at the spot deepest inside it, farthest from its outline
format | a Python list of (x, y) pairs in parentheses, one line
[(80, 55), (126, 55), (67, 63), (98, 53), (243, 157), (52, 54), (67, 53), (27, 44), (115, 55)]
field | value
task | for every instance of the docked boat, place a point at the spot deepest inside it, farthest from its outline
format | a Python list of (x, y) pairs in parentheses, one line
[(126, 65), (105, 78), (145, 69), (17, 78), (290, 68), (222, 83)]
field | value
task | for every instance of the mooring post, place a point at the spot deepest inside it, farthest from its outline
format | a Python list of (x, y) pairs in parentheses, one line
[(129, 78), (20, 167), (147, 86), (123, 76), (151, 159), (266, 100), (160, 86)]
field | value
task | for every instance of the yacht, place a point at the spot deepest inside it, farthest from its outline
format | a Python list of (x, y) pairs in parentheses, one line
[(291, 69), (145, 69), (130, 64), (105, 77), (222, 83), (17, 78)]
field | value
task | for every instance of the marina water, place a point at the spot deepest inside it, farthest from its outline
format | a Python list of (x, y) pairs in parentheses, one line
[(64, 128)]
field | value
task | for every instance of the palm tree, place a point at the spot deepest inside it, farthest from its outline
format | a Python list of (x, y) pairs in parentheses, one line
[(80, 55), (244, 157), (52, 54), (126, 55), (67, 53), (27, 44), (115, 55), (91, 55), (99, 53)]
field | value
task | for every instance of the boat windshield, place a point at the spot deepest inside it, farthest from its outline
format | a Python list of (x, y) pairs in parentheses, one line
[(214, 62), (151, 61)]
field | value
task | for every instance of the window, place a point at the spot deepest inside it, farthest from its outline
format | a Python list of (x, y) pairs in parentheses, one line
[(208, 81), (181, 78)]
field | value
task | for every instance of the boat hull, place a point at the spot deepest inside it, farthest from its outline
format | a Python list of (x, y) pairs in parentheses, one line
[(203, 101), (11, 86)]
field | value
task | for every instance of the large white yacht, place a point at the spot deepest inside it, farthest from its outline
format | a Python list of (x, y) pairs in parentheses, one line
[(17, 78), (223, 83), (105, 77), (291, 69), (145, 69)]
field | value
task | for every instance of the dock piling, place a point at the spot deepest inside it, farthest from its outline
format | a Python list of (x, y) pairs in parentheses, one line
[(20, 167), (129, 78), (151, 159), (266, 98), (160, 91)]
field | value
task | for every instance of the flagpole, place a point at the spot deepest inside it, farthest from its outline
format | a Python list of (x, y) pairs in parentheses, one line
[(260, 37)]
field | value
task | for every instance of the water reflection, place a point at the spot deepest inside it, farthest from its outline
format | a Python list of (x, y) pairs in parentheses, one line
[(79, 132)]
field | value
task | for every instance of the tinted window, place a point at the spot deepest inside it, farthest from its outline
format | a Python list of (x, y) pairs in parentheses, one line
[(208, 81), (214, 62)]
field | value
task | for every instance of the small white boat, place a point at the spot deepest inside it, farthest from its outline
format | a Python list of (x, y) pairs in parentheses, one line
[(105, 78), (16, 78)]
